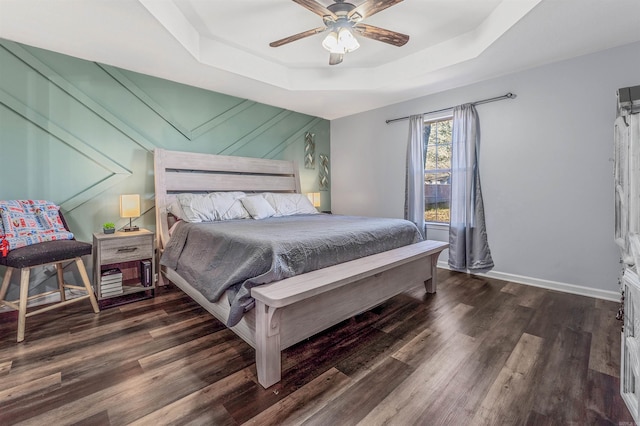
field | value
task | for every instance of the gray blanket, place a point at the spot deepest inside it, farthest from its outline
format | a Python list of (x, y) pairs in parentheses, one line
[(240, 254)]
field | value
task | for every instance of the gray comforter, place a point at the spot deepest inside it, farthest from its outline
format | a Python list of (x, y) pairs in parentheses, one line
[(240, 254)]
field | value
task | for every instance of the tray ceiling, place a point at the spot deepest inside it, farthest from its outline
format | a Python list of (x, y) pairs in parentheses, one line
[(224, 45)]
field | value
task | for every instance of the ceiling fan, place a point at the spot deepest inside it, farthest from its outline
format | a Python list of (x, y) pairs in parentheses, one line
[(342, 19)]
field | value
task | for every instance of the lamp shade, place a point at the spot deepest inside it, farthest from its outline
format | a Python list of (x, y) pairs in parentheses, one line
[(314, 197), (130, 205)]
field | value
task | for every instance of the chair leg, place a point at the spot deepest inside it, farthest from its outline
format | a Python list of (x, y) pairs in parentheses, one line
[(24, 294), (5, 283), (60, 274), (87, 284)]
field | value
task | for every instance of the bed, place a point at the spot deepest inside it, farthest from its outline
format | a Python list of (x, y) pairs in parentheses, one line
[(303, 303)]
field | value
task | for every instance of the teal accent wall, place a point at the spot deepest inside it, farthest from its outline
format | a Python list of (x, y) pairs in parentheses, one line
[(80, 133)]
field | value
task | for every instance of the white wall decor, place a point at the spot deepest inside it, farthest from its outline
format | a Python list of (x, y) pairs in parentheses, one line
[(309, 151), (324, 172)]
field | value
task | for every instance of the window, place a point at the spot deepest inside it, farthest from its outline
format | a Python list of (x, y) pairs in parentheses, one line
[(437, 170)]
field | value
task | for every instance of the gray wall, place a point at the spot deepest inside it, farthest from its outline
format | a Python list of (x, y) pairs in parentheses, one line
[(546, 167)]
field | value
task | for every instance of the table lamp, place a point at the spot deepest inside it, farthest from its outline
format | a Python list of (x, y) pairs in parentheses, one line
[(130, 207)]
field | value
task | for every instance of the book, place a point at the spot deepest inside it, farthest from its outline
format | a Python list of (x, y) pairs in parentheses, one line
[(113, 275), (112, 292), (112, 271), (111, 280), (145, 273), (110, 286)]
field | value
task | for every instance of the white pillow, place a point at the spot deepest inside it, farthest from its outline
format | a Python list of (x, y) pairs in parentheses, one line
[(289, 204), (228, 205), (184, 202), (258, 207), (212, 207), (176, 209)]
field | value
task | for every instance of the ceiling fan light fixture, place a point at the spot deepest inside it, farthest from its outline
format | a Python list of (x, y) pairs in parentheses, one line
[(341, 19), (341, 41), (330, 43), (347, 40)]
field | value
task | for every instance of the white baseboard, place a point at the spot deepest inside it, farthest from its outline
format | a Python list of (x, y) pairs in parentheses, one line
[(550, 285), (520, 279)]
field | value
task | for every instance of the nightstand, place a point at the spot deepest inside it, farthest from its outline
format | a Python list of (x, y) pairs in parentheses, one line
[(124, 269)]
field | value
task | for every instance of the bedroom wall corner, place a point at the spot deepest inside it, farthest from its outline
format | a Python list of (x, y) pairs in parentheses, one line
[(545, 160), (81, 133)]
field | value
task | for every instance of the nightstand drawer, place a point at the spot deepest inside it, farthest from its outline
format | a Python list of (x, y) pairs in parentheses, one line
[(122, 250)]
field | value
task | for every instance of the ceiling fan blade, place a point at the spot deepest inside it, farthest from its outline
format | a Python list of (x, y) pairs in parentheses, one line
[(316, 8), (335, 58), (298, 36), (371, 7), (380, 34)]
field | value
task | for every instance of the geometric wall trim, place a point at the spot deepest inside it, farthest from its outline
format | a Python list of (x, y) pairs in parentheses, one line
[(118, 172), (77, 94), (100, 124), (221, 118), (146, 99), (294, 138), (190, 134), (237, 145), (81, 133)]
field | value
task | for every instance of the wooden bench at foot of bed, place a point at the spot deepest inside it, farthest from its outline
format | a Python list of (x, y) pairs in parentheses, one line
[(290, 310)]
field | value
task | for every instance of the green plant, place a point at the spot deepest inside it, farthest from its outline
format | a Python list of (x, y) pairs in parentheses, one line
[(109, 225)]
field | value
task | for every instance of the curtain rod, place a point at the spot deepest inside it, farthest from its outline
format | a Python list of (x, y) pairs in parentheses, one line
[(484, 101)]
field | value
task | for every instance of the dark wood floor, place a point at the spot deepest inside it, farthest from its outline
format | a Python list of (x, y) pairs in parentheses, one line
[(480, 351)]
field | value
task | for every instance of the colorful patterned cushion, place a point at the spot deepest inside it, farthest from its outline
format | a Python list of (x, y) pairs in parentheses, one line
[(26, 222)]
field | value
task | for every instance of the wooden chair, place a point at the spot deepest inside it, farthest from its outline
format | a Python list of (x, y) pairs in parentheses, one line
[(42, 254)]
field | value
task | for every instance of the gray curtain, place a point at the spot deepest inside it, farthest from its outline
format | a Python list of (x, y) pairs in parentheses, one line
[(468, 244), (414, 188)]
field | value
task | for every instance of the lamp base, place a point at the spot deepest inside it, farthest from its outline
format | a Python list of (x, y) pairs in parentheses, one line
[(130, 228)]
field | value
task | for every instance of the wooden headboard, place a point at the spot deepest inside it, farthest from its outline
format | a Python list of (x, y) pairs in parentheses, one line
[(177, 172)]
